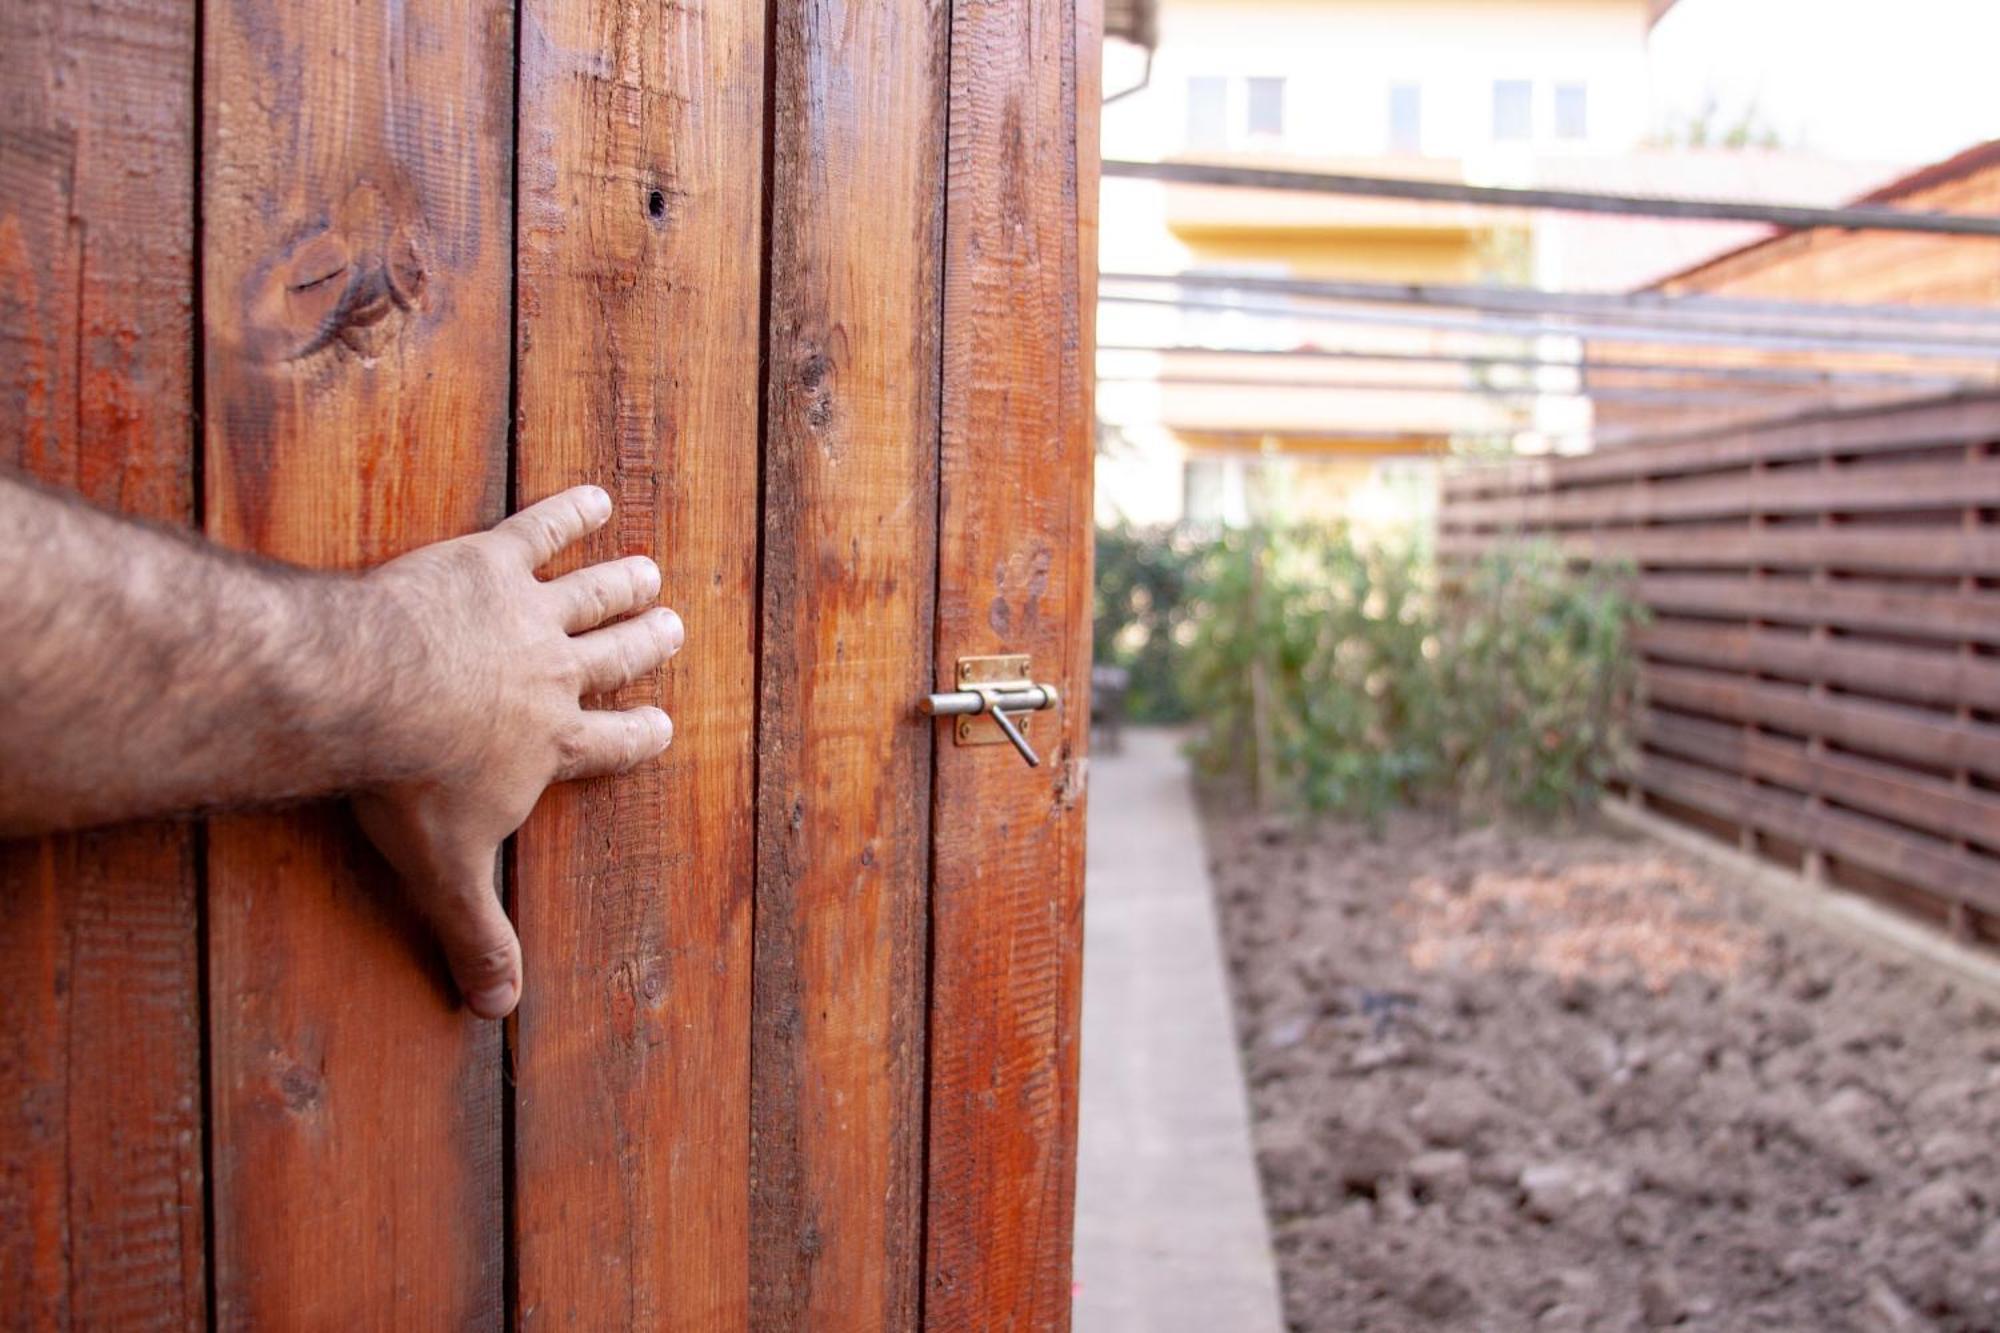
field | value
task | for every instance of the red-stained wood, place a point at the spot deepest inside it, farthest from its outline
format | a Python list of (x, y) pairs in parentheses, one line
[(100, 1074), (1014, 568), (843, 812), (641, 133), (357, 164)]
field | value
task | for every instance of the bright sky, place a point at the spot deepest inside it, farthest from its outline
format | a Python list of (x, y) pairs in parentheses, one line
[(1891, 80)]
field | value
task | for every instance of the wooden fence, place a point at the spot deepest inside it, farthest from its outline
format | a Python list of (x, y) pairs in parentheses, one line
[(808, 289), (1820, 677)]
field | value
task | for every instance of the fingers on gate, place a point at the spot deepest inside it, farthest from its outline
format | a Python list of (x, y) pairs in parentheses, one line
[(480, 947), (592, 596), (617, 655), (612, 741), (547, 526)]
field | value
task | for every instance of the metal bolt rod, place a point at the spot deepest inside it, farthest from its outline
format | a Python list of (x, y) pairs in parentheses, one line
[(956, 703)]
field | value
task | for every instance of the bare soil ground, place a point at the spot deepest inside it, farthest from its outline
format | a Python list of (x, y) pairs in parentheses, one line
[(1516, 1079)]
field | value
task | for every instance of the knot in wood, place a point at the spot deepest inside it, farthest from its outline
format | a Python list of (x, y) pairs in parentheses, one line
[(347, 285)]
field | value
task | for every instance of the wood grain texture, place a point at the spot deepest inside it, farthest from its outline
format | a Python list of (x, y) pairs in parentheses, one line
[(857, 141), (356, 261), (1014, 571), (641, 137), (100, 1094)]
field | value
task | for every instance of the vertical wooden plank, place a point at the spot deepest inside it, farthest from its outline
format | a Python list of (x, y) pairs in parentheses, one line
[(641, 138), (356, 278), (100, 1096), (857, 138), (1014, 560)]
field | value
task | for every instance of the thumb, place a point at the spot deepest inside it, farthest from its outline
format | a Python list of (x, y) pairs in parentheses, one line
[(479, 944)]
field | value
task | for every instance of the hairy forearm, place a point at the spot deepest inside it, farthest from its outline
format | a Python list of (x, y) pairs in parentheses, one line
[(143, 673)]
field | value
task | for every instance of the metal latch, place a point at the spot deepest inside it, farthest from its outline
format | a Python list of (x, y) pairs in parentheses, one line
[(997, 687)]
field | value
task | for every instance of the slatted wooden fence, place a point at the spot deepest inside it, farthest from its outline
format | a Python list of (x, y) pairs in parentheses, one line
[(1820, 677)]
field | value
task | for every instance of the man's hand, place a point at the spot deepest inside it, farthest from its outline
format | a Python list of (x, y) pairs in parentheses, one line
[(508, 658), (144, 672)]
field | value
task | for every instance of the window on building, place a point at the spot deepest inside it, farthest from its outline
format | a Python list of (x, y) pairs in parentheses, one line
[(1266, 112), (1207, 113), (1572, 111), (1406, 118), (1513, 110), (1215, 494)]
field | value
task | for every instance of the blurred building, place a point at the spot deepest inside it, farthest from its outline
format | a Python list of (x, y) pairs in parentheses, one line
[(1211, 408)]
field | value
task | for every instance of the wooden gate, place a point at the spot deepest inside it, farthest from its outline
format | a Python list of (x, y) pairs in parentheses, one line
[(808, 289)]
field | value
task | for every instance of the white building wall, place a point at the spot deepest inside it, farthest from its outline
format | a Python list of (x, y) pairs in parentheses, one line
[(1340, 58)]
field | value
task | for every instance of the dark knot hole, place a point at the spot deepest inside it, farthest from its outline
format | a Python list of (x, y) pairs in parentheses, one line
[(656, 204)]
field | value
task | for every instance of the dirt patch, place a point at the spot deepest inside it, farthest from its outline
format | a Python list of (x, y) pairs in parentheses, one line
[(1509, 1079)]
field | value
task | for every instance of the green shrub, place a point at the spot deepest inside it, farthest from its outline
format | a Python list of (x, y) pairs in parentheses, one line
[(1140, 623), (1379, 687), (1536, 679)]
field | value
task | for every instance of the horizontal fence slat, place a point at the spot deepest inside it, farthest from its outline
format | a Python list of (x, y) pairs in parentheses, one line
[(1961, 419), (1909, 486), (1930, 677), (1876, 788), (1872, 727), (1904, 856), (1942, 551), (1944, 614)]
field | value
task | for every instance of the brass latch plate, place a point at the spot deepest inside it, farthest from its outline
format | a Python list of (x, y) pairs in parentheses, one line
[(999, 671)]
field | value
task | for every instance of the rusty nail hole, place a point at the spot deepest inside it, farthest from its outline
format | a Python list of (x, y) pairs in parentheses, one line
[(656, 204)]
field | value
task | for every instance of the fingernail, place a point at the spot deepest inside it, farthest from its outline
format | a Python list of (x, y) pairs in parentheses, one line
[(496, 1001), (596, 502), (676, 632), (650, 578), (665, 725)]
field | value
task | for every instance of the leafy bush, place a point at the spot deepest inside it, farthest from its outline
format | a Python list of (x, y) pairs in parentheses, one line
[(1333, 637), (1535, 681), (1143, 601), (1342, 676)]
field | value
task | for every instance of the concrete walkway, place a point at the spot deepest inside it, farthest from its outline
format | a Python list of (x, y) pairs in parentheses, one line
[(1170, 1230)]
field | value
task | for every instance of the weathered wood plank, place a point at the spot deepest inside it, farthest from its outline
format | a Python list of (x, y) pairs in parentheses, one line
[(1875, 787), (357, 257), (1943, 615), (1848, 490), (1903, 733), (1938, 678), (850, 545), (1014, 552), (100, 1044), (1939, 550), (1858, 431), (1910, 858), (1852, 432), (641, 133)]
